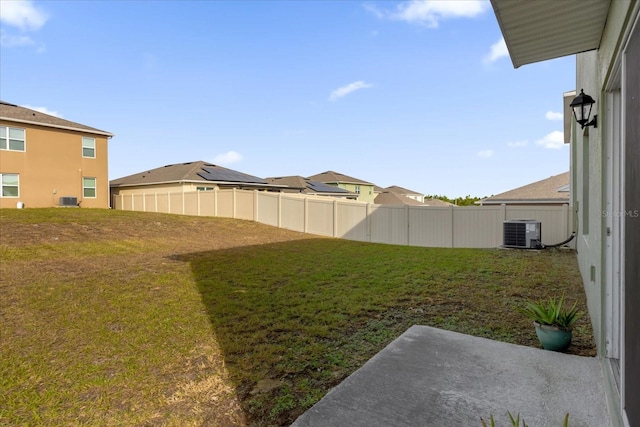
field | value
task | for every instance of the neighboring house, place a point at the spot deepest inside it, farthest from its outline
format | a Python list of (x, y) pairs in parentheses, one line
[(392, 198), (553, 191), (605, 167), (47, 161), (364, 189), (191, 176), (437, 202), (406, 193), (299, 184)]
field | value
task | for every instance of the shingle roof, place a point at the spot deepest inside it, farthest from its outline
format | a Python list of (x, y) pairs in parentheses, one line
[(391, 198), (336, 177), (199, 171), (403, 191), (554, 189), (436, 202), (15, 113), (308, 186)]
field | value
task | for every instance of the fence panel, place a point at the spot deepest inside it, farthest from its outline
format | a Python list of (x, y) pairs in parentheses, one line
[(162, 201), (431, 226), (321, 217), (225, 203), (477, 227), (268, 210), (191, 203), (207, 203), (389, 224), (244, 201), (293, 213), (352, 221)]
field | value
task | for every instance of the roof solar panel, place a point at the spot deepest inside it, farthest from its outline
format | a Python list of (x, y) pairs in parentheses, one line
[(227, 175), (325, 188)]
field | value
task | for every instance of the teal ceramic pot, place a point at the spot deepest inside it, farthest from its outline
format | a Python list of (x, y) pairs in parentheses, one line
[(553, 338)]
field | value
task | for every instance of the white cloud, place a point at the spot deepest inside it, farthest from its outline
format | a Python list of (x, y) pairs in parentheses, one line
[(345, 90), (552, 115), (431, 12), (8, 40), (227, 158), (517, 143), (43, 110), (554, 140), (23, 15), (498, 50), (485, 154)]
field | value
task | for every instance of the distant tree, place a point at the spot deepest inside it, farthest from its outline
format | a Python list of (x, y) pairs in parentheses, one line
[(458, 201)]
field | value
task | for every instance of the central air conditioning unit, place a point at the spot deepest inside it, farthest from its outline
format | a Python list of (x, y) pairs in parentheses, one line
[(522, 233), (68, 202)]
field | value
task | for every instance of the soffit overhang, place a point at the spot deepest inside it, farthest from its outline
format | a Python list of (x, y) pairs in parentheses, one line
[(545, 29)]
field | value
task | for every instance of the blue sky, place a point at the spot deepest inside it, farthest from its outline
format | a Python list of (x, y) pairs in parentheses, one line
[(419, 94)]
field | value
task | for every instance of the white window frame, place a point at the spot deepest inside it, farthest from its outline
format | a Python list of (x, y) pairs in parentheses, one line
[(85, 187), (357, 189), (89, 143), (7, 138), (2, 185)]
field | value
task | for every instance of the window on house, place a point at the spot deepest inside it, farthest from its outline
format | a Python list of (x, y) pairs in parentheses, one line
[(88, 147), (204, 188), (10, 184), (89, 187), (357, 189), (12, 139)]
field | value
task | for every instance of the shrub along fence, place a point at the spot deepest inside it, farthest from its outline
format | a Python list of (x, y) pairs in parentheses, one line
[(457, 227)]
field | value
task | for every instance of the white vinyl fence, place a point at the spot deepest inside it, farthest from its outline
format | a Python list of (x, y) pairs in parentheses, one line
[(457, 227)]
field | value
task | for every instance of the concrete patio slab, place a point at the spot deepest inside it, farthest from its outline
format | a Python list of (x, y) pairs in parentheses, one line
[(433, 377)]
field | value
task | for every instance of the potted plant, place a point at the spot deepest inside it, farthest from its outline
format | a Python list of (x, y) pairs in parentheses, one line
[(553, 323)]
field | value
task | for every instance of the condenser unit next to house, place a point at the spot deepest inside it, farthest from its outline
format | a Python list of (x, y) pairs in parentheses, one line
[(522, 233), (68, 201)]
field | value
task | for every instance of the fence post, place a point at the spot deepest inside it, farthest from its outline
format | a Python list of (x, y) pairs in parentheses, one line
[(279, 210), (233, 203), (305, 215), (215, 201), (255, 205), (453, 228), (198, 201), (368, 223), (335, 218), (406, 216), (155, 202)]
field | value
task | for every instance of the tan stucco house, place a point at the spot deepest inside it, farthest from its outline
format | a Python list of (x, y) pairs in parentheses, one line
[(364, 189), (552, 191), (47, 161)]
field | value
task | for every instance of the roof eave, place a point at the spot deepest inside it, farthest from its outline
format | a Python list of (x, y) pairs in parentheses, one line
[(30, 122), (538, 31)]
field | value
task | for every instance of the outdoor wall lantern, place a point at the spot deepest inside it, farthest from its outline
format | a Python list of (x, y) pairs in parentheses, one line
[(581, 106)]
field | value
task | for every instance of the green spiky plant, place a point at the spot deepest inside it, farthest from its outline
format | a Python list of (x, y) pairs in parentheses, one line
[(515, 421), (552, 312)]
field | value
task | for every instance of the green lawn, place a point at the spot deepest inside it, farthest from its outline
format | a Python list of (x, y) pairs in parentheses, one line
[(123, 318)]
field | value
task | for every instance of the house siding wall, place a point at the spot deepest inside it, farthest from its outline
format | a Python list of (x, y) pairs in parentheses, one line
[(595, 72), (52, 166), (632, 230)]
